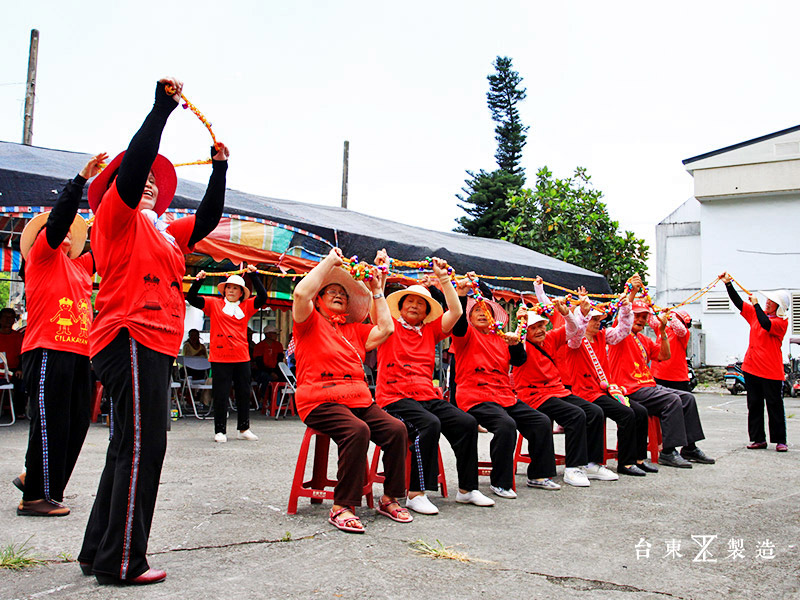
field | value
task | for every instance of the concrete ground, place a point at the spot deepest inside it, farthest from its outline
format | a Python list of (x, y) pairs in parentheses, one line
[(221, 528)]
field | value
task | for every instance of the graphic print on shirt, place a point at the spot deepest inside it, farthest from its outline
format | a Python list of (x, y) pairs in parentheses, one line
[(175, 300), (64, 318), (150, 298), (84, 316)]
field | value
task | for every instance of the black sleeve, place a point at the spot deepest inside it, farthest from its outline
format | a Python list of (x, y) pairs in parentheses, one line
[(261, 292), (142, 150), (518, 354), (64, 211), (192, 297), (734, 296), (460, 328), (762, 317), (438, 295), (210, 210), (485, 290)]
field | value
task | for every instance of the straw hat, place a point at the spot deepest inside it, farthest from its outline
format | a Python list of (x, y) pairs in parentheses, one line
[(782, 299), (235, 280), (358, 296), (498, 311), (77, 230), (393, 300), (164, 172)]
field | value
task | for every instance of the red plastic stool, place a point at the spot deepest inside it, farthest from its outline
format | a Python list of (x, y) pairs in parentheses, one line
[(608, 453), (654, 439), (523, 457), (98, 398), (273, 405), (314, 488), (377, 477)]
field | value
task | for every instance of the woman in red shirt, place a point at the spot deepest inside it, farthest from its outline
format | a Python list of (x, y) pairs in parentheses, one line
[(763, 364), (230, 355), (137, 332), (484, 391), (55, 351), (673, 372), (332, 395)]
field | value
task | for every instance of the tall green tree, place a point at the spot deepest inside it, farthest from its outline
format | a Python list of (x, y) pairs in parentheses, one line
[(567, 219), (484, 194), (503, 95)]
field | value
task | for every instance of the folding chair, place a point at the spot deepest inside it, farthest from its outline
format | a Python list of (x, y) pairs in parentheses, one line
[(370, 379), (6, 391), (191, 385), (287, 390)]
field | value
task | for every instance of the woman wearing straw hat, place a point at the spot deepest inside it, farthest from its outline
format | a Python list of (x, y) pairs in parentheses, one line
[(405, 390), (230, 355), (333, 397), (763, 364), (55, 351), (485, 392), (137, 333)]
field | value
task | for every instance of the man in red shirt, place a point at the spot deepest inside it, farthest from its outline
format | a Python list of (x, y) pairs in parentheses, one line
[(674, 373), (267, 354), (405, 390), (677, 410)]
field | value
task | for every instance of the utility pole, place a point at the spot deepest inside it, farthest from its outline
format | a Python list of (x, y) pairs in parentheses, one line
[(345, 166), (30, 90)]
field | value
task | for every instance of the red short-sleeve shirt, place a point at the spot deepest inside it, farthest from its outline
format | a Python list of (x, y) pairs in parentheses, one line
[(629, 362), (269, 351), (11, 344), (482, 370), (584, 378), (228, 339), (142, 277), (763, 357), (406, 362), (59, 294), (330, 364), (539, 378), (674, 368)]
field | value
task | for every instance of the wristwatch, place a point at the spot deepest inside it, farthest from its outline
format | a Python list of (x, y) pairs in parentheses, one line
[(378, 295)]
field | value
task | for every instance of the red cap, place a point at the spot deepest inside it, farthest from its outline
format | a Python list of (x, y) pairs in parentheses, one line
[(640, 306)]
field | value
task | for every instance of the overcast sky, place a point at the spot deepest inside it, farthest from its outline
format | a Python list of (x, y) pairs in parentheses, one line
[(625, 89)]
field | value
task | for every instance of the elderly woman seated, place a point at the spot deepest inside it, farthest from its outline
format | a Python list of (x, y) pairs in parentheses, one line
[(332, 395)]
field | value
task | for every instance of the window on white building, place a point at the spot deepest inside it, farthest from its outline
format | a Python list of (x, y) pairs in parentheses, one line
[(717, 304), (795, 314)]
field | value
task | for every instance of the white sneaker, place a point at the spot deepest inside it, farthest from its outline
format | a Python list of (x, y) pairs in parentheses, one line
[(474, 497), (576, 477), (503, 492), (221, 438), (544, 484), (422, 505), (247, 435), (595, 471)]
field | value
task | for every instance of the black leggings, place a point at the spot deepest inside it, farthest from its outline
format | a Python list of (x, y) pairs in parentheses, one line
[(759, 392), (223, 375)]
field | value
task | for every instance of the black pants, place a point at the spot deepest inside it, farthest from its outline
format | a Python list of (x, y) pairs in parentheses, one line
[(631, 428), (503, 423), (759, 391), (60, 386), (677, 410), (425, 421), (223, 375), (583, 424), (137, 380), (675, 385), (352, 429)]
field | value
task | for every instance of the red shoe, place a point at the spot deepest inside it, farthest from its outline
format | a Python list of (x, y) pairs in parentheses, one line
[(782, 448), (42, 508), (756, 445), (146, 578)]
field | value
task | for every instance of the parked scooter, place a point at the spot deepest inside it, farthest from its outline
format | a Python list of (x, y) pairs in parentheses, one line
[(734, 378), (692, 375)]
